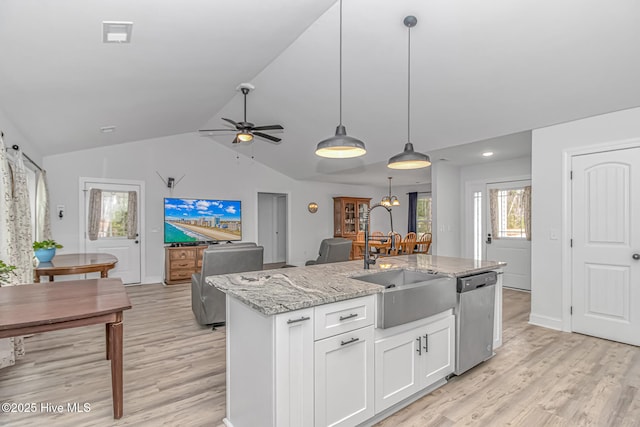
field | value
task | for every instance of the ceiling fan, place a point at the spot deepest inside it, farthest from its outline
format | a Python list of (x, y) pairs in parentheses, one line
[(247, 130)]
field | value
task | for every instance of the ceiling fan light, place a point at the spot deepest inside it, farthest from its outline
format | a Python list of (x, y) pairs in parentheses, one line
[(340, 146), (244, 136), (409, 159)]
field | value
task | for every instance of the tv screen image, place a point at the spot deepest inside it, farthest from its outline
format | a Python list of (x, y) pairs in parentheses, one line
[(193, 220)]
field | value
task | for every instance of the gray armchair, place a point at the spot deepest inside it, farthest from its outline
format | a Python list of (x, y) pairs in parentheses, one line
[(207, 302), (336, 249)]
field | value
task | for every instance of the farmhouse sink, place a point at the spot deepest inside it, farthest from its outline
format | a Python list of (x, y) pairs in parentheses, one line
[(410, 295)]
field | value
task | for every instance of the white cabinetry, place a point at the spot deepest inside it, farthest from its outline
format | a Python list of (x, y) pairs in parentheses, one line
[(294, 368), (344, 362), (283, 368), (407, 362), (344, 378)]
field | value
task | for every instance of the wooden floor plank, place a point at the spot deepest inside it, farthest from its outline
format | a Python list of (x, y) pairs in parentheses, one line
[(174, 375)]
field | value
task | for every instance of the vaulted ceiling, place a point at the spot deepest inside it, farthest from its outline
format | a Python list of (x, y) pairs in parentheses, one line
[(480, 70)]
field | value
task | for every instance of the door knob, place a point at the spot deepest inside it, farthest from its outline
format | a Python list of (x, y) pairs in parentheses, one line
[(635, 256)]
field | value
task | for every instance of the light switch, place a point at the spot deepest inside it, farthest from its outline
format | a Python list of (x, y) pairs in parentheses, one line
[(60, 211), (553, 234)]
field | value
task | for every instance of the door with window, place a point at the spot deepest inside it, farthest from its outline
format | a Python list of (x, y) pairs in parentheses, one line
[(110, 224), (508, 230)]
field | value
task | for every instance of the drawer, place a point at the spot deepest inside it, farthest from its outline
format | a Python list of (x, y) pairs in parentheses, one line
[(180, 275), (344, 316), (183, 263), (182, 254)]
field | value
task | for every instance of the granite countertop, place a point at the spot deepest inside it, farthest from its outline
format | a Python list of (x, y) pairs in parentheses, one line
[(286, 289)]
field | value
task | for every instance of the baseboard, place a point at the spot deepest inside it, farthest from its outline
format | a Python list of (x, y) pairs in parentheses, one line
[(152, 279), (545, 321)]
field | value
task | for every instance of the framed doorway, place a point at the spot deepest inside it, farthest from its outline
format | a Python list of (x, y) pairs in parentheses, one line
[(112, 237), (273, 224)]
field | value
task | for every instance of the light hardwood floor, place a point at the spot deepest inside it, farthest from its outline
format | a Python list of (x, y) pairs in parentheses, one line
[(174, 374)]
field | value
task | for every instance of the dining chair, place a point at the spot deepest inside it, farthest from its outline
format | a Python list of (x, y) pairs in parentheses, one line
[(423, 244), (397, 243), (409, 243)]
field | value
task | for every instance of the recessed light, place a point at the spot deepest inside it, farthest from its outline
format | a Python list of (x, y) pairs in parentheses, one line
[(487, 154), (116, 31), (108, 129)]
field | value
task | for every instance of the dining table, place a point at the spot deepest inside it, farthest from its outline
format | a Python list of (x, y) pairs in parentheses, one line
[(79, 263)]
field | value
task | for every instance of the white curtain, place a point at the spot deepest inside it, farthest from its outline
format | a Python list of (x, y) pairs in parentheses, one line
[(95, 213), (15, 237), (43, 220)]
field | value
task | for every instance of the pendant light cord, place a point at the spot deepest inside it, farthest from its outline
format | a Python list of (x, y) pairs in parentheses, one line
[(409, 88), (340, 63)]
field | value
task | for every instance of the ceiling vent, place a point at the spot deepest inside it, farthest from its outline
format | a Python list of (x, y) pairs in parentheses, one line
[(116, 31)]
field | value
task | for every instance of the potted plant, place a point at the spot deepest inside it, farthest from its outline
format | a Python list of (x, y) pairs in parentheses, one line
[(5, 270), (45, 250)]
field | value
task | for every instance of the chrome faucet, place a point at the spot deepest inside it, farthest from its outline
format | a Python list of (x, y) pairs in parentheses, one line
[(367, 260)]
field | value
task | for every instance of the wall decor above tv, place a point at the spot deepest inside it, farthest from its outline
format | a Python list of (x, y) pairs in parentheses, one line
[(201, 220)]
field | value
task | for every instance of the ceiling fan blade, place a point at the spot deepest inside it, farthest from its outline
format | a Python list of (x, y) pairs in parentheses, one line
[(268, 137), (235, 140), (268, 127), (230, 121), (216, 130)]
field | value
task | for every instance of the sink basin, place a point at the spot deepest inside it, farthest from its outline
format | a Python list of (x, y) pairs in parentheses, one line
[(396, 278), (410, 295)]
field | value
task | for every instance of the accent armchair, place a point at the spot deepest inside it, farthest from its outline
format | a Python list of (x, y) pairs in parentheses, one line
[(207, 302), (336, 249)]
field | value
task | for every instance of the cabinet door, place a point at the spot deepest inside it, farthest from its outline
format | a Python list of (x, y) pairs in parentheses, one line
[(438, 350), (396, 361), (294, 368), (344, 379)]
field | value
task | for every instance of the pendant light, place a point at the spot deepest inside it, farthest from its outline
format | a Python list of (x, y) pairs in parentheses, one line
[(390, 200), (340, 146), (409, 159)]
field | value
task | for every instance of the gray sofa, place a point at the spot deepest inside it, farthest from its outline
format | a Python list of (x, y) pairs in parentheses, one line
[(207, 302), (336, 249)]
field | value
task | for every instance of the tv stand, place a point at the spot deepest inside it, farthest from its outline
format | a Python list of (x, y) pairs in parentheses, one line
[(180, 262)]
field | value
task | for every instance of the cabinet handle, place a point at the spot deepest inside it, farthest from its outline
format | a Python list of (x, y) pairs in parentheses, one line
[(302, 319), (350, 341), (351, 316), (426, 343), (419, 350)]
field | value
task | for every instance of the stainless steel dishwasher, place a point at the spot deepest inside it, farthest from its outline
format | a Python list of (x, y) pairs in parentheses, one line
[(474, 319)]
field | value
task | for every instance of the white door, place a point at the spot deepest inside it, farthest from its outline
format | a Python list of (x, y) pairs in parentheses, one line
[(606, 245), (272, 226), (506, 232), (112, 235)]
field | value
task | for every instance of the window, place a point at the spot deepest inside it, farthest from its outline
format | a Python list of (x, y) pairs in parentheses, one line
[(511, 214), (423, 214), (115, 209), (477, 224)]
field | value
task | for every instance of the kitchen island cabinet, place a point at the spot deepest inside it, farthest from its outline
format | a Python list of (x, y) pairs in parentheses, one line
[(304, 349)]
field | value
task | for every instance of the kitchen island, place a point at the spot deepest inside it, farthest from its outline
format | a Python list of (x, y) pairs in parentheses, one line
[(304, 347)]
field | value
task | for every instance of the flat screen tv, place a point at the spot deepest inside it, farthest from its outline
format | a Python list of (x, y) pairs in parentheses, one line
[(201, 220)]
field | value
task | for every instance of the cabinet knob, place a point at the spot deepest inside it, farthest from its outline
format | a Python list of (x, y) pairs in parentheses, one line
[(635, 256)]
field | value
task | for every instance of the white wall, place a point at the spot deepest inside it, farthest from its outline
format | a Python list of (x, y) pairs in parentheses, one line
[(446, 209), (211, 171), (550, 294)]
